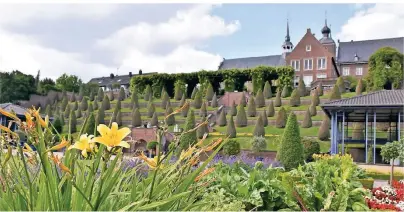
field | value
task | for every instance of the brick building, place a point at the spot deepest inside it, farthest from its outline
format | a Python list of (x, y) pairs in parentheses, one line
[(319, 59)]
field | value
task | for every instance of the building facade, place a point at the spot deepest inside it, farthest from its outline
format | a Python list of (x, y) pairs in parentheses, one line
[(319, 59), (115, 82)]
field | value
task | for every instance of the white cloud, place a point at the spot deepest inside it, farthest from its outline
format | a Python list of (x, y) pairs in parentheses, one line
[(378, 21), (137, 46), (22, 14), (134, 47)]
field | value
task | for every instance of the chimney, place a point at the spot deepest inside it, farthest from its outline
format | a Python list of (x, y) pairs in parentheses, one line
[(140, 71), (130, 74), (308, 30), (111, 76)]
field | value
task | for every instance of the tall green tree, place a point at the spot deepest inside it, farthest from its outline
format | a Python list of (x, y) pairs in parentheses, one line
[(385, 69), (68, 83), (16, 86), (291, 152)]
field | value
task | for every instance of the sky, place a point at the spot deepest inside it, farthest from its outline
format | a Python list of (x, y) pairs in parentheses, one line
[(94, 40)]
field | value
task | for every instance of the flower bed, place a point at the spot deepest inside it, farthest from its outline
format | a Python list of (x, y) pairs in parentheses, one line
[(387, 197)]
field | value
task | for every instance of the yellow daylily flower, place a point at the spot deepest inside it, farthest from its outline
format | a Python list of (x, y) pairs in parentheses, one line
[(152, 163), (8, 114), (204, 173), (27, 148), (186, 154), (84, 144), (112, 137), (44, 123), (28, 121), (62, 144), (211, 146), (60, 164)]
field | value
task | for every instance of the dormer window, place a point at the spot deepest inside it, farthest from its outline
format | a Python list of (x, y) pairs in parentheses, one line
[(308, 48), (356, 58), (119, 80), (100, 81)]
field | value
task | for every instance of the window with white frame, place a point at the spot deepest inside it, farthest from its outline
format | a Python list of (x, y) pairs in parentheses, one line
[(308, 64), (321, 76), (308, 48), (345, 71), (321, 63), (359, 71), (295, 64)]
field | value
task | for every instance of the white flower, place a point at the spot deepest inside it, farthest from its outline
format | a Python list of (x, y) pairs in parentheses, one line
[(400, 205)]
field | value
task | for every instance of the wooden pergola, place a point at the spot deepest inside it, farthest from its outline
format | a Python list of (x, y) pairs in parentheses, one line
[(385, 106)]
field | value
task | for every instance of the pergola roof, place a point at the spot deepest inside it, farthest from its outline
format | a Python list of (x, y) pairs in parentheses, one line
[(386, 104)]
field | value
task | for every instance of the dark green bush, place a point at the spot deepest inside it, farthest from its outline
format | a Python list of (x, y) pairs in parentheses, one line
[(231, 129), (324, 131), (90, 125), (232, 147), (311, 146), (152, 145), (291, 153), (258, 144), (267, 90), (134, 99), (270, 109), (222, 119), (136, 118), (67, 111), (295, 98), (100, 116), (111, 96), (281, 118), (72, 122), (241, 118), (307, 123), (259, 129), (251, 109), (259, 99), (58, 125)]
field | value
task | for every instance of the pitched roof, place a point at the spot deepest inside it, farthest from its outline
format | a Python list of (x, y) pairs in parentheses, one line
[(365, 48), (252, 62), (122, 80), (377, 98), (12, 107)]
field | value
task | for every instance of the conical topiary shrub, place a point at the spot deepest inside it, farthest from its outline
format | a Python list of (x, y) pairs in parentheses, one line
[(73, 122), (111, 96), (100, 95), (231, 129), (67, 111), (341, 85), (281, 118), (259, 99), (313, 110), (90, 109), (84, 104), (259, 129), (188, 137), (267, 90), (178, 93), (301, 88), (286, 91), (154, 121), (243, 101), (315, 99), (278, 100), (170, 121), (200, 132), (100, 119), (213, 103), (48, 111), (134, 99), (150, 109), (185, 110), (324, 131), (307, 120), (193, 94), (78, 113), (320, 89), (92, 96), (359, 87), (209, 92), (73, 97), (241, 118), (136, 118), (271, 109), (64, 104), (105, 103), (264, 118), (295, 98), (198, 101), (75, 106), (90, 125), (122, 94), (335, 93), (116, 109), (291, 152), (233, 109), (182, 102), (147, 93), (164, 99), (119, 118), (222, 119), (203, 112), (95, 105), (251, 109)]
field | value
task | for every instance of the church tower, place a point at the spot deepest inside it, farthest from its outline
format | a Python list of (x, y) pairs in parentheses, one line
[(327, 40), (287, 46)]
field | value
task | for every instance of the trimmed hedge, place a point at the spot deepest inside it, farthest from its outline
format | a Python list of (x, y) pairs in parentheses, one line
[(311, 146), (307, 123), (295, 98), (154, 120), (324, 131), (259, 99), (188, 138), (232, 147), (241, 118), (259, 129), (270, 109), (222, 119), (278, 100), (231, 129), (267, 90), (233, 110), (251, 109), (281, 118)]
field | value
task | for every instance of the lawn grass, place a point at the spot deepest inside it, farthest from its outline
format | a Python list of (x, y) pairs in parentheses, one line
[(270, 130)]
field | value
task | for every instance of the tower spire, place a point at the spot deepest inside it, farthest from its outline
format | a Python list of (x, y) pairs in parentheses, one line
[(287, 38), (287, 45), (325, 23)]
